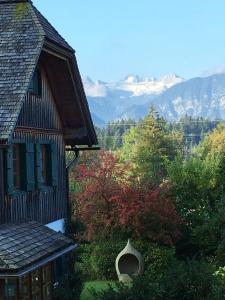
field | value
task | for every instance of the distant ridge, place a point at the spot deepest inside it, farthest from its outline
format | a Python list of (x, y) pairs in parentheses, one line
[(172, 96)]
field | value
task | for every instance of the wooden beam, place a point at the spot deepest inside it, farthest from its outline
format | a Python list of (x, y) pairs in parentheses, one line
[(38, 130)]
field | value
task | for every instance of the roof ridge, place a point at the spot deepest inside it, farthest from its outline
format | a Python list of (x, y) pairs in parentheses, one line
[(51, 32)]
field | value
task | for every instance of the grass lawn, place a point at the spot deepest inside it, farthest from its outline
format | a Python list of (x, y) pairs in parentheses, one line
[(97, 285)]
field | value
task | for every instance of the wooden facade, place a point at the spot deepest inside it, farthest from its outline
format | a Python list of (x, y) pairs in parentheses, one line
[(34, 285), (43, 111), (38, 121)]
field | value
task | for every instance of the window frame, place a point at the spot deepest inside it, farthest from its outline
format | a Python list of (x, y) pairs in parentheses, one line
[(27, 171), (47, 183), (10, 283), (31, 166)]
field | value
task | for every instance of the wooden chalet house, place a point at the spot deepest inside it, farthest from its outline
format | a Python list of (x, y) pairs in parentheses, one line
[(43, 111)]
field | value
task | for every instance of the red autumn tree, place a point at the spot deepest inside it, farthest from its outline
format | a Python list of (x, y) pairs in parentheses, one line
[(109, 200)]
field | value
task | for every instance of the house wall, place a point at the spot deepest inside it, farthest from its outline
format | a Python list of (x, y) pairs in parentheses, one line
[(39, 121), (1, 183), (1, 289)]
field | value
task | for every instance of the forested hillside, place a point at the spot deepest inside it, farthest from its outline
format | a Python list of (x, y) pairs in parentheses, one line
[(193, 130)]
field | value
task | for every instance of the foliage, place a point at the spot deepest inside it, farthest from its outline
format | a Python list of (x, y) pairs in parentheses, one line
[(98, 194), (214, 143), (111, 202), (191, 280), (197, 187), (192, 185), (97, 285), (98, 259), (149, 191), (149, 146), (111, 136), (183, 281), (193, 129), (157, 259)]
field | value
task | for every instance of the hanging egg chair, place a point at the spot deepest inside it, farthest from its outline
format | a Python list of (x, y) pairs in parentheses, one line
[(129, 263)]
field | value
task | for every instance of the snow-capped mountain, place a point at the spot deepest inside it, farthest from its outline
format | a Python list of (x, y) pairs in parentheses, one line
[(134, 84), (108, 101), (172, 96)]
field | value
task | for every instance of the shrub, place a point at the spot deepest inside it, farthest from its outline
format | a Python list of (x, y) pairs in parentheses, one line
[(190, 280), (193, 280), (157, 258), (99, 258), (110, 200)]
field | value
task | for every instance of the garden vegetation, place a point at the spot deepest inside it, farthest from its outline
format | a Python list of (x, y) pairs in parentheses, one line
[(169, 201)]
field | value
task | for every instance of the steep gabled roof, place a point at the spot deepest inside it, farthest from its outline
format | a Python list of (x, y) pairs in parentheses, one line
[(51, 33), (21, 41), (23, 34)]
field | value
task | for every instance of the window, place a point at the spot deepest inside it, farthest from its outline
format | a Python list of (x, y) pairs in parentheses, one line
[(20, 167), (46, 165), (38, 283), (31, 166), (17, 167), (35, 84), (10, 289)]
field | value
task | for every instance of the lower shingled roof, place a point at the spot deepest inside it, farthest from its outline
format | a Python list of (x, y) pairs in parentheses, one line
[(27, 243)]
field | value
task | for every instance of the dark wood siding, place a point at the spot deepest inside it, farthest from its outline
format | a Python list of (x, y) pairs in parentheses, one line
[(40, 112), (39, 121), (1, 183)]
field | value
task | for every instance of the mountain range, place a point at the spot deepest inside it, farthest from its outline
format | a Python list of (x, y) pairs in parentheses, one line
[(171, 95)]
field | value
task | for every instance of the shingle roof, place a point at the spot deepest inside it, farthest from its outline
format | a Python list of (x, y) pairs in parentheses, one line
[(21, 40), (24, 244), (14, 1), (23, 32), (51, 33)]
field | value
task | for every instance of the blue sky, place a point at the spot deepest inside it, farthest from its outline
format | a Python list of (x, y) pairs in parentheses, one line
[(113, 38)]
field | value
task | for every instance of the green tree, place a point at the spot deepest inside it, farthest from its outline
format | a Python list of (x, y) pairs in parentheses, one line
[(111, 136), (197, 187), (149, 146)]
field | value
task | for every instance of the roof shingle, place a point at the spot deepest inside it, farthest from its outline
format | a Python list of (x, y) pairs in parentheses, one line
[(51, 33), (23, 32), (21, 40), (23, 244)]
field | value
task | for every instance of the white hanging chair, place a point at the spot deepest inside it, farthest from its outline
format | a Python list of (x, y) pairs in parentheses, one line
[(129, 263)]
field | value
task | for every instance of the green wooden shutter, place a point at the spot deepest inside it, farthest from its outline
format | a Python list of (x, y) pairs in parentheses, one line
[(10, 181), (23, 167), (30, 180), (38, 166), (54, 165)]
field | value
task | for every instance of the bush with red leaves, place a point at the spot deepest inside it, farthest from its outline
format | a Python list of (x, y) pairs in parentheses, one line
[(109, 200)]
